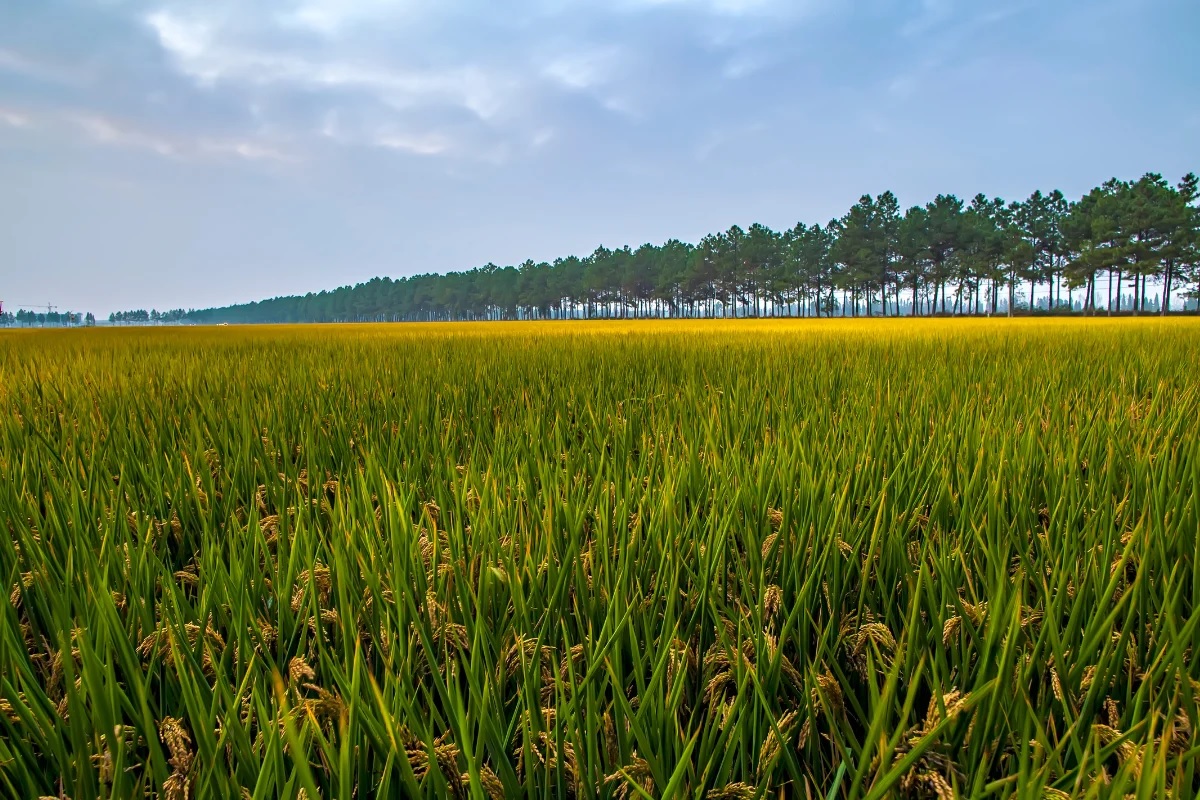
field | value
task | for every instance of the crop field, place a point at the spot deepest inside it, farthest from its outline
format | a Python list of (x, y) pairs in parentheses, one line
[(749, 559)]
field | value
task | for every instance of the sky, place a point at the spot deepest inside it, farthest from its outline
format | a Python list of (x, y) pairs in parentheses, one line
[(192, 153)]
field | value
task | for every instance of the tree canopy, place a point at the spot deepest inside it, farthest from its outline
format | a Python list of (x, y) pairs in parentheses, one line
[(988, 256), (29, 319)]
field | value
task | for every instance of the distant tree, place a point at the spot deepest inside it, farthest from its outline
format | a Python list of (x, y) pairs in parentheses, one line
[(859, 253), (913, 249), (1181, 256), (1088, 230), (1148, 219), (943, 238)]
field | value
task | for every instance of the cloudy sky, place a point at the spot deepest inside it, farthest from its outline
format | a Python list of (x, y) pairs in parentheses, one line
[(165, 153)]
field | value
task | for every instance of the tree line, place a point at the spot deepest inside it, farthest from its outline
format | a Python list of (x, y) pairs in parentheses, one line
[(1124, 247), (143, 317), (28, 319)]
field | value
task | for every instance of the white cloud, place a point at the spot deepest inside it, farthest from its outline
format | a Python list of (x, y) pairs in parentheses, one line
[(100, 129), (603, 73), (106, 131), (248, 150), (198, 50), (582, 69), (332, 17), (13, 118), (427, 144), (189, 41), (619, 104), (457, 78), (726, 7), (406, 138)]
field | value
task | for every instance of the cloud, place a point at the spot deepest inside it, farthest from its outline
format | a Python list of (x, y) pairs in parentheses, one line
[(199, 50), (106, 131), (458, 79), (244, 149), (582, 69), (14, 119), (733, 8), (118, 133), (332, 17), (427, 144), (100, 129), (598, 72), (189, 41)]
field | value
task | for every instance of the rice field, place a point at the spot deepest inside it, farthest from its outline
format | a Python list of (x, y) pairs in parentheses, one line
[(837, 559)]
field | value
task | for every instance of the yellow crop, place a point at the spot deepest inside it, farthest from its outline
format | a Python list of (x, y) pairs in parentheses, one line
[(724, 559)]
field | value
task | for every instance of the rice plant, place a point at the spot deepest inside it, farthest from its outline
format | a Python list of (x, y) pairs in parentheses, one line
[(860, 559)]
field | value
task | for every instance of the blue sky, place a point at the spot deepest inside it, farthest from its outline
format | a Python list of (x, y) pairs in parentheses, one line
[(165, 153)]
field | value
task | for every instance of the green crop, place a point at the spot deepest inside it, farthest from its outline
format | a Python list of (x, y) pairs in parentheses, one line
[(866, 559)]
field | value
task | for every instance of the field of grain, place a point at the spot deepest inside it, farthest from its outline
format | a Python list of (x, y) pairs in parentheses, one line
[(825, 559)]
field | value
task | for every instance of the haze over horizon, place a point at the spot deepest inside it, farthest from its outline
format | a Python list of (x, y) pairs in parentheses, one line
[(192, 153)]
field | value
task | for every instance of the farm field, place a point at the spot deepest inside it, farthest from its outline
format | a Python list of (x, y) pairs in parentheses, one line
[(746, 559)]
